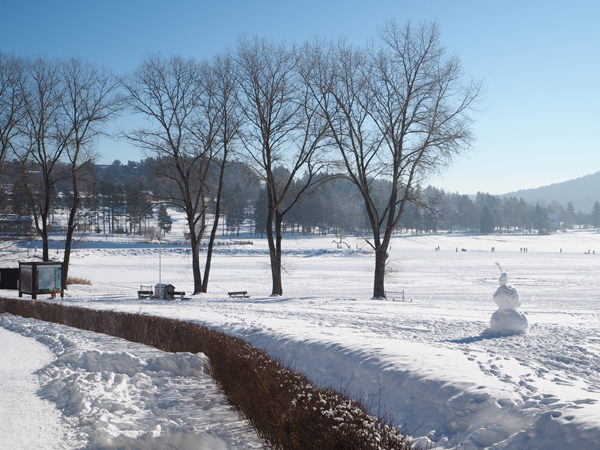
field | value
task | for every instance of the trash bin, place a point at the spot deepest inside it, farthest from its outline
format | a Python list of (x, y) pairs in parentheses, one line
[(9, 278)]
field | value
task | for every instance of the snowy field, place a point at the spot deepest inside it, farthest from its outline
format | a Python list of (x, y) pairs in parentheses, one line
[(428, 361)]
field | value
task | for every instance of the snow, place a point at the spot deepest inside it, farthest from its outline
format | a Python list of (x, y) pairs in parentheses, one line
[(100, 392), (429, 361), (26, 421)]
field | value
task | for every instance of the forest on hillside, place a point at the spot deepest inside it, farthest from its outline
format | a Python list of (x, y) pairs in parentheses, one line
[(118, 199)]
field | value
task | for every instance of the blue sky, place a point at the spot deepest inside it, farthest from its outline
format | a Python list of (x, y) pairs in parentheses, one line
[(540, 61)]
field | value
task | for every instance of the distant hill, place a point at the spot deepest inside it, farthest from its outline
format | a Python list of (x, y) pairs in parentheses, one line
[(582, 192)]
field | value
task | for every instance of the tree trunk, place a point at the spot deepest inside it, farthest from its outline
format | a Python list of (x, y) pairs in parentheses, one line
[(379, 282), (275, 251), (209, 250), (69, 240), (45, 240), (277, 285), (196, 262), (45, 244), (213, 231)]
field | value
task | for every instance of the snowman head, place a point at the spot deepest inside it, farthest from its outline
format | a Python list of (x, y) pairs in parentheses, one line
[(503, 279)]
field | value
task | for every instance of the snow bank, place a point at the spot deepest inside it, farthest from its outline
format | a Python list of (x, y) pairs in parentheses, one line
[(442, 394), (115, 394)]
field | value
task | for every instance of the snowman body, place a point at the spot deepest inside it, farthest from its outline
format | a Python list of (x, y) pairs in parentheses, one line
[(507, 320)]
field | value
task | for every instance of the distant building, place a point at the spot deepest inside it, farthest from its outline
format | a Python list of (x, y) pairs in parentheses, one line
[(55, 228), (13, 224), (554, 222)]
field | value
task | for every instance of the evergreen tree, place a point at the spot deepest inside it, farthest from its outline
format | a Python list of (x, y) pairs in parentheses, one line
[(567, 220), (540, 219), (164, 219), (596, 215), (492, 202), (260, 213), (138, 207), (234, 204), (486, 222), (430, 222), (465, 212), (413, 219)]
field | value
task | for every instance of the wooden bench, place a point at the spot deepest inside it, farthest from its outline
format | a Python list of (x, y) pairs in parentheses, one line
[(239, 294), (145, 292), (174, 294)]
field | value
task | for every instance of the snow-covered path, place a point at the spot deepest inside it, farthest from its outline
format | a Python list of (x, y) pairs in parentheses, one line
[(105, 393), (26, 421)]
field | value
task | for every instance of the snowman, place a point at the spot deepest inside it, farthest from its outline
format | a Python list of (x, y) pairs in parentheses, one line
[(507, 320)]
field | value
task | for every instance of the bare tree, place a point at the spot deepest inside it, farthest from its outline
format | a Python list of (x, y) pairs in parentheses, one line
[(220, 85), (90, 99), (397, 111), (12, 103), (282, 134), (182, 134), (44, 138), (12, 113)]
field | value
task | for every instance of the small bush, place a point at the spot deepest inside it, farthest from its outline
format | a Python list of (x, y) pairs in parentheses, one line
[(75, 280), (283, 406)]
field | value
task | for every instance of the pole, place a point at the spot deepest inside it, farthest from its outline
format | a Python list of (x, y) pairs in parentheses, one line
[(162, 294)]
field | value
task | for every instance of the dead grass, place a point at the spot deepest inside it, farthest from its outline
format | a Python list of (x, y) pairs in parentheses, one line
[(75, 280), (283, 406)]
